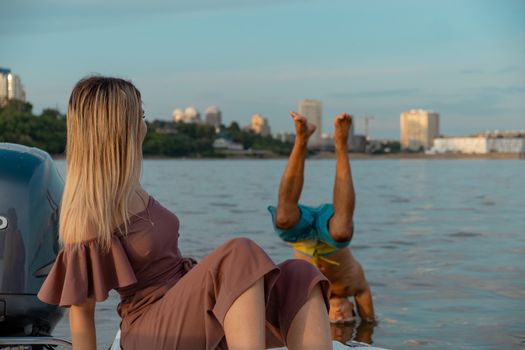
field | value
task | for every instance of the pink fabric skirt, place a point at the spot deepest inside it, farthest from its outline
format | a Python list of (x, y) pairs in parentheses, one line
[(190, 315)]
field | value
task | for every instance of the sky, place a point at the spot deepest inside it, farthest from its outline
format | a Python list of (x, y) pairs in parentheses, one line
[(464, 59)]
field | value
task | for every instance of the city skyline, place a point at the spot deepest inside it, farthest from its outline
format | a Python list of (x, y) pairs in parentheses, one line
[(310, 108), (463, 59)]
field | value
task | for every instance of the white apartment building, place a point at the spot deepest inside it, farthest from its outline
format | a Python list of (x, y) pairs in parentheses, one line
[(260, 125), (188, 115), (418, 129), (478, 145), (213, 117), (312, 110), (11, 87)]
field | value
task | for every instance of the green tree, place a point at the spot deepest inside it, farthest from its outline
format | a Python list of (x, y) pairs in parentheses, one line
[(19, 125), (164, 138)]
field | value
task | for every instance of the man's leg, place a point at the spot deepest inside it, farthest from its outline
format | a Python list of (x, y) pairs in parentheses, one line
[(340, 225), (288, 213)]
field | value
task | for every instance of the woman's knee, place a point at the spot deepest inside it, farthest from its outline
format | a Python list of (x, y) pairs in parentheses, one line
[(241, 243), (299, 269), (301, 272), (242, 247)]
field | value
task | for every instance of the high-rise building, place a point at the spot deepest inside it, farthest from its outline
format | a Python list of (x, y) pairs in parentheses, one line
[(260, 125), (192, 115), (213, 117), (312, 110), (10, 86), (178, 115), (351, 136), (285, 137), (3, 83), (327, 142), (418, 129), (188, 115)]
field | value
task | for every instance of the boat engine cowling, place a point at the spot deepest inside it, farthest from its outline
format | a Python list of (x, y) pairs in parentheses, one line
[(30, 193)]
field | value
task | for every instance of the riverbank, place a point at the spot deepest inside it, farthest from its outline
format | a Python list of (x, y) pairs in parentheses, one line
[(357, 156), (401, 156)]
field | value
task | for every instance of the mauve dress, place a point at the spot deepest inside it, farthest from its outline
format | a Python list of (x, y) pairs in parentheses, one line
[(172, 302)]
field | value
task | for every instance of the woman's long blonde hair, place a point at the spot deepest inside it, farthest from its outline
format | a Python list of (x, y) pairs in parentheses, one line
[(104, 157)]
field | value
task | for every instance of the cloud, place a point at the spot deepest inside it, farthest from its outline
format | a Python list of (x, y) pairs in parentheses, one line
[(500, 90), (508, 69), (471, 71), (477, 71), (480, 101), (375, 93), (37, 17)]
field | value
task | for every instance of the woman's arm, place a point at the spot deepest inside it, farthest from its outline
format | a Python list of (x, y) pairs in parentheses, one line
[(82, 325)]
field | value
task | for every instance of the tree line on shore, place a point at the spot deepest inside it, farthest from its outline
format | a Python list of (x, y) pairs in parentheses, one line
[(47, 131)]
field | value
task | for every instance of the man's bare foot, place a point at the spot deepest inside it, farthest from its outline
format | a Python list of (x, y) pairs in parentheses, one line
[(341, 310), (342, 125), (303, 129)]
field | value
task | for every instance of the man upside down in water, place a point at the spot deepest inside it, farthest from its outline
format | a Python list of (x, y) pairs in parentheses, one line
[(321, 235)]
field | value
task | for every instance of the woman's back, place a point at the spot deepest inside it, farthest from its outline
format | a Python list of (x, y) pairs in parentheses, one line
[(143, 263)]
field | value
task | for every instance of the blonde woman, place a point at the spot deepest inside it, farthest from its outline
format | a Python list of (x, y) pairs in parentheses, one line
[(116, 236)]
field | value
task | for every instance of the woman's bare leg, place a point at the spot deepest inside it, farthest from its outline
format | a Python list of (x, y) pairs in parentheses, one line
[(244, 323), (340, 225), (310, 329), (292, 180)]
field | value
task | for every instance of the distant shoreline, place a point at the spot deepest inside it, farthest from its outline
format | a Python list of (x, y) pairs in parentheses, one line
[(356, 156), (409, 156)]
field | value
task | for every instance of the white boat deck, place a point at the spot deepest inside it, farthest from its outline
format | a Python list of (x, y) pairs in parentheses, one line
[(336, 345)]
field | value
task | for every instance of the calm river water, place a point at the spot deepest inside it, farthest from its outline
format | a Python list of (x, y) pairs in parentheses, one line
[(442, 242)]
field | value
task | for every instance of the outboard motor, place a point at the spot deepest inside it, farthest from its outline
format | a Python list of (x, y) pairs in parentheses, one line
[(30, 194)]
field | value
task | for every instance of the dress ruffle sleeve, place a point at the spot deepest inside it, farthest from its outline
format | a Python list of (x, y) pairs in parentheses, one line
[(85, 271)]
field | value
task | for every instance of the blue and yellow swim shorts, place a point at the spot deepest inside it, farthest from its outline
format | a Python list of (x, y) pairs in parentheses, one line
[(310, 234)]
